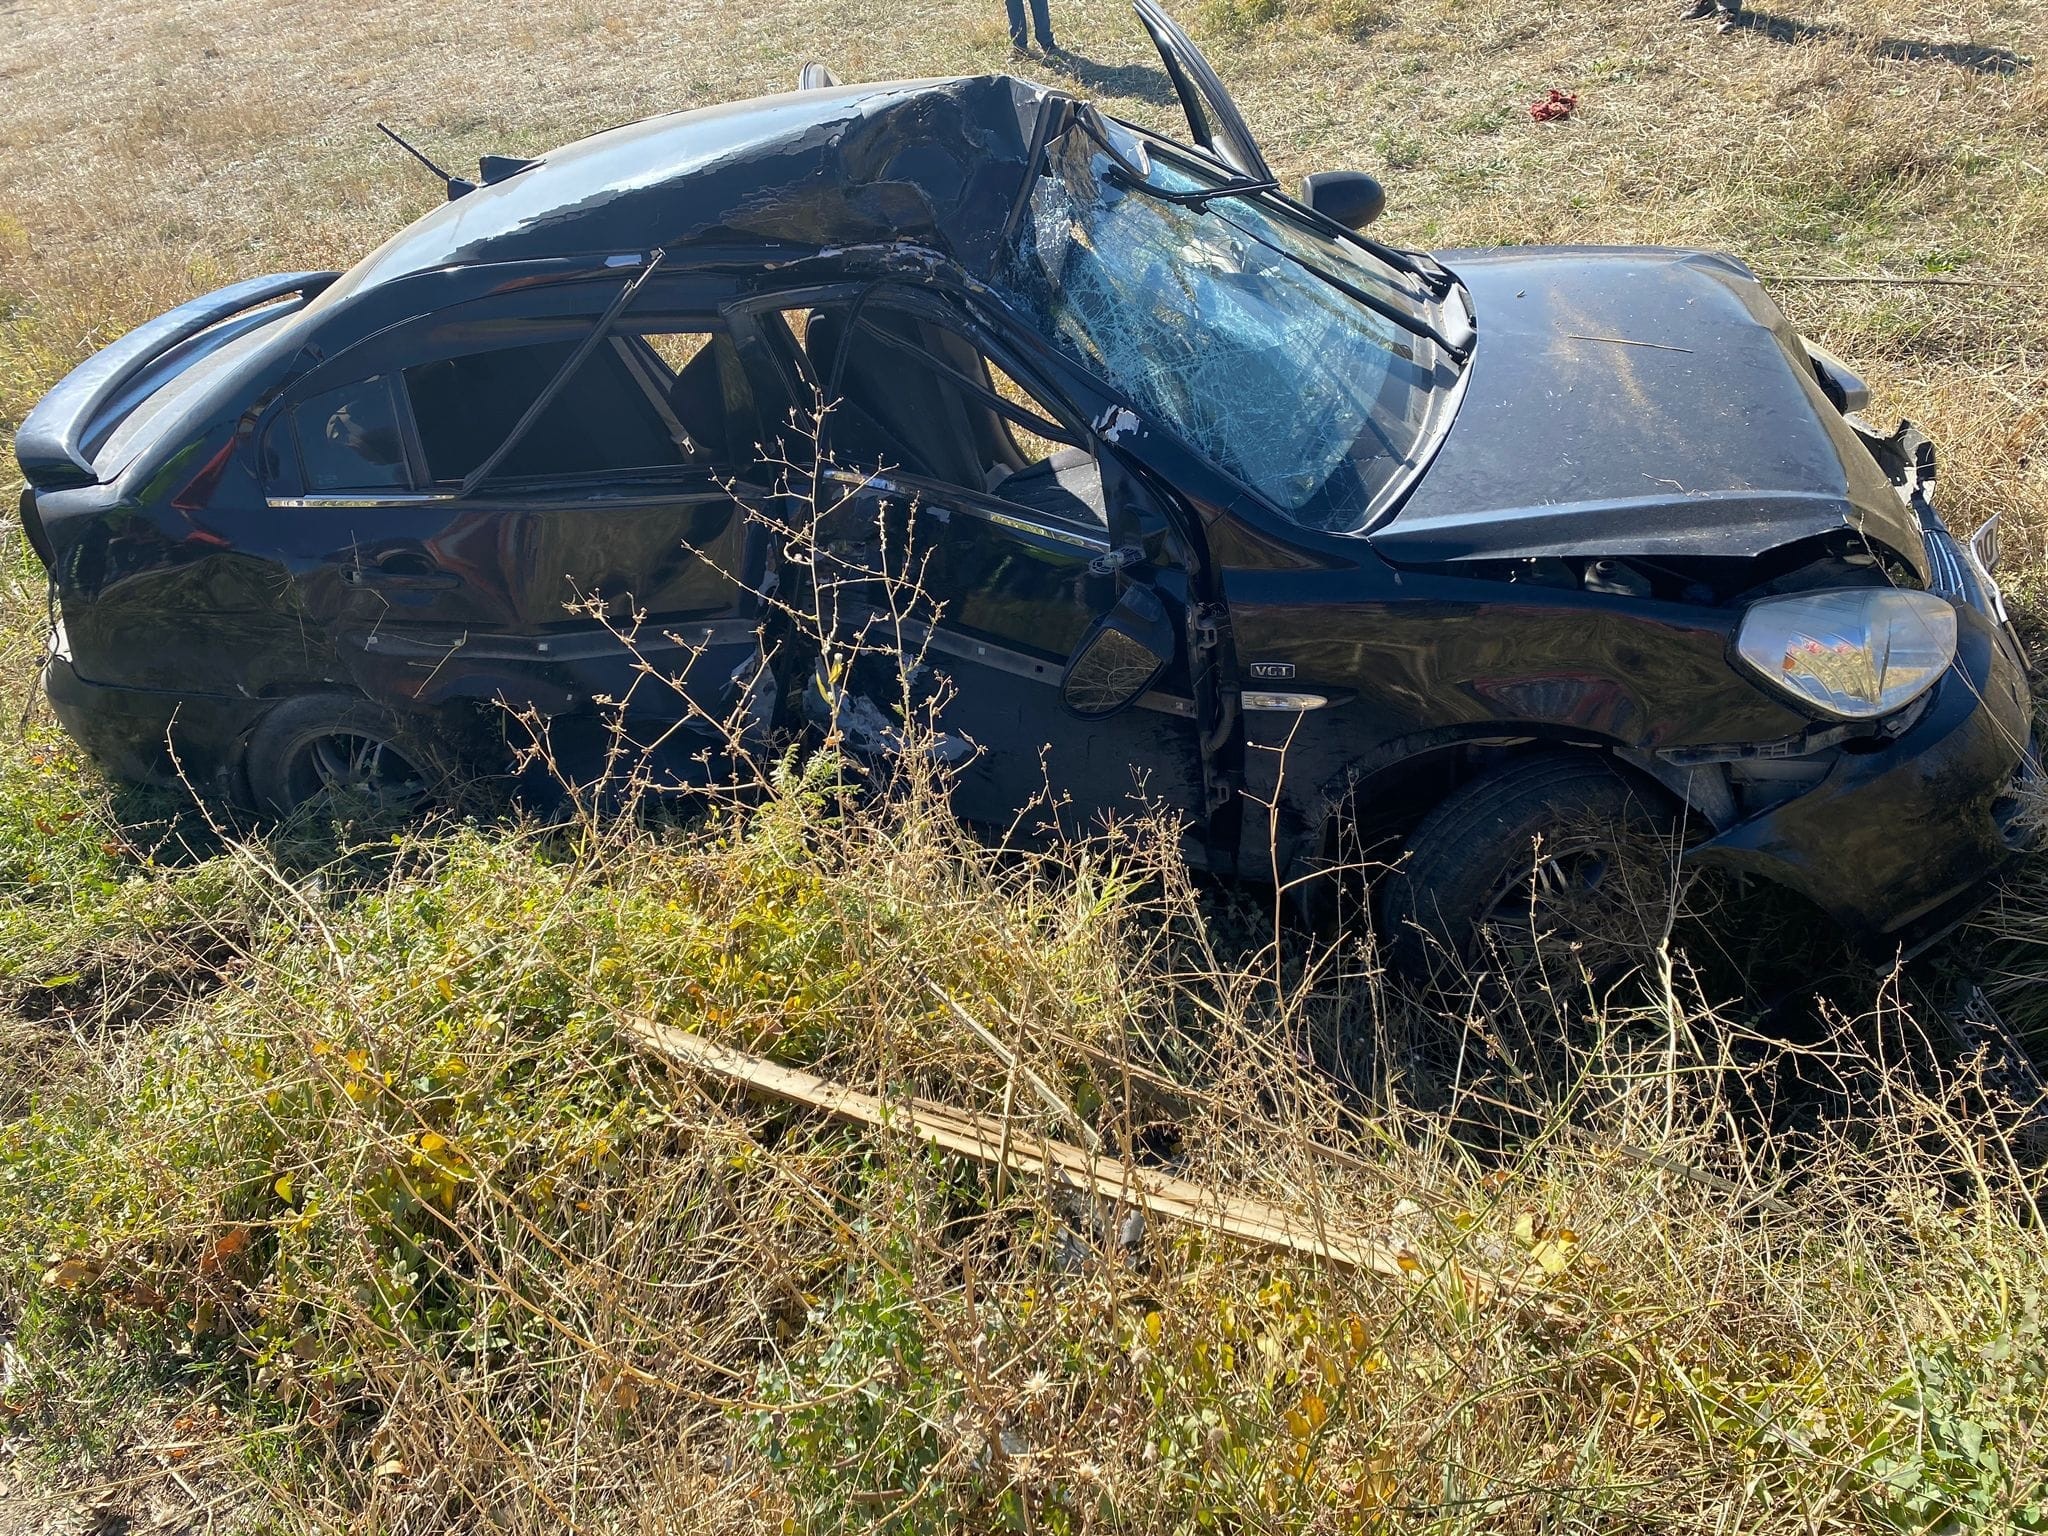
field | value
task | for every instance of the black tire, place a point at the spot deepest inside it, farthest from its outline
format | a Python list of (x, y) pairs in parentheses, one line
[(326, 744), (1557, 853)]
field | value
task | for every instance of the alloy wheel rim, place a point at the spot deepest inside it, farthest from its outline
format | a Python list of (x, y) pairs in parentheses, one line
[(360, 764), (1607, 897)]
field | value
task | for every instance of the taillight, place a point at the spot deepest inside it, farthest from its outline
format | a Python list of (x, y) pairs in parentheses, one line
[(198, 491)]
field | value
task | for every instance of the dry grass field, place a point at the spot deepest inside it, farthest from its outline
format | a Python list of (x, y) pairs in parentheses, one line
[(334, 1196)]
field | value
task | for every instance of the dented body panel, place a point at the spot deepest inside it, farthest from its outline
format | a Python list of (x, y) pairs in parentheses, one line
[(1639, 403), (936, 162)]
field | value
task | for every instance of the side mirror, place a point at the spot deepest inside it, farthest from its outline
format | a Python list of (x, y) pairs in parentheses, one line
[(1352, 198), (1120, 657)]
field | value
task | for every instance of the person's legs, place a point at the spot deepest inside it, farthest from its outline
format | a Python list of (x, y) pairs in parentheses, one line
[(1041, 18), (1016, 8)]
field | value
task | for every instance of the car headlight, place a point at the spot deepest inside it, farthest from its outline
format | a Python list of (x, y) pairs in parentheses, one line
[(1856, 652)]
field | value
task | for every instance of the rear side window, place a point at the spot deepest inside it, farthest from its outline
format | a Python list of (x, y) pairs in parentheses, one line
[(349, 438), (604, 419)]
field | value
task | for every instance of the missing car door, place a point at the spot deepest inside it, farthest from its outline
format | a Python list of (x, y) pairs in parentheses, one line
[(941, 439)]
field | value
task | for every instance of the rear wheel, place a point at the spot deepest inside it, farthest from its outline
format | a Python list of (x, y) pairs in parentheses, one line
[(337, 745)]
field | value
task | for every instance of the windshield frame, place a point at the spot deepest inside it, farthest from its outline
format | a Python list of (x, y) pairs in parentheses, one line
[(1412, 288)]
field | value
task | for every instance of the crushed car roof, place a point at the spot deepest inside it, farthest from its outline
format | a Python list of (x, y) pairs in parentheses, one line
[(940, 162)]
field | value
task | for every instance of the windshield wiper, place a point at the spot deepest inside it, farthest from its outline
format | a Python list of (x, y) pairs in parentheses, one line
[(1438, 279), (1459, 347), (1433, 274), (1198, 198), (1122, 173)]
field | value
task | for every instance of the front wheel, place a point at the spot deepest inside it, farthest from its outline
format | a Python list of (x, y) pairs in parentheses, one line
[(1550, 858)]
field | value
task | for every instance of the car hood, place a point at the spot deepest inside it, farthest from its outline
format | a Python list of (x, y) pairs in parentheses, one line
[(1641, 402)]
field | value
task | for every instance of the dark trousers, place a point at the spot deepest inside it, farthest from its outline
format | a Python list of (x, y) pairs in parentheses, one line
[(1041, 19)]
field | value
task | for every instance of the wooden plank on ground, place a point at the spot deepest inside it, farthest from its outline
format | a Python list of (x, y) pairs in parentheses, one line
[(981, 1137)]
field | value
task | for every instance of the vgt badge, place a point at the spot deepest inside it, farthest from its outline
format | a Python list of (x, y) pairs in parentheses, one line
[(1272, 671)]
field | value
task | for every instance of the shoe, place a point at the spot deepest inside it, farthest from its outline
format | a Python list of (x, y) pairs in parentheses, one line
[(1729, 21), (1699, 10)]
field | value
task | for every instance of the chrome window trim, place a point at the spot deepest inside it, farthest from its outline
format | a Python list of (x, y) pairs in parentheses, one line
[(581, 644), (1042, 530), (344, 499)]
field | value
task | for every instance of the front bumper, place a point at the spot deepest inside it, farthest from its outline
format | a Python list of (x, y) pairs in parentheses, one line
[(146, 736), (1897, 842)]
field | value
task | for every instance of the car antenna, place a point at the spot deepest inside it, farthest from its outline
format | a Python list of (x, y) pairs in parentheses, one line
[(457, 185)]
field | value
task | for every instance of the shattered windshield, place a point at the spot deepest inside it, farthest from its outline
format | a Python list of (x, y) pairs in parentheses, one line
[(1216, 319)]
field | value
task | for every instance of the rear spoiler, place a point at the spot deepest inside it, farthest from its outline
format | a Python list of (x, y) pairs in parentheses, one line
[(51, 441)]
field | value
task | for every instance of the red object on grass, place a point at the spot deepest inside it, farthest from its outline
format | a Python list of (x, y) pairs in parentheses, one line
[(1555, 107)]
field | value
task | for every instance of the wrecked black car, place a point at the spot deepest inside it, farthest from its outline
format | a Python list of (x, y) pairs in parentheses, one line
[(1225, 507)]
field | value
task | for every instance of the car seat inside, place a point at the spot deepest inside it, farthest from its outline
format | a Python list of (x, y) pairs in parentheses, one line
[(920, 420)]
